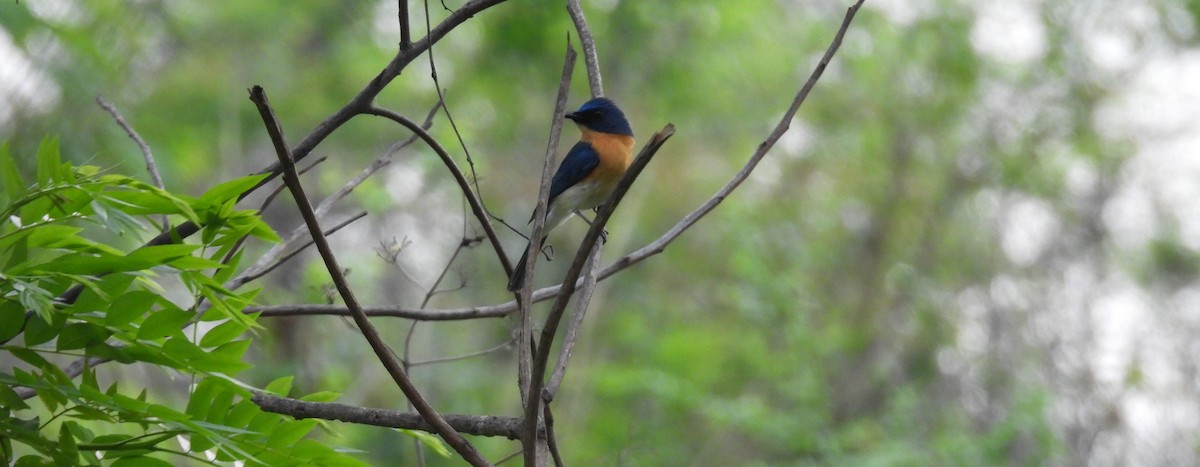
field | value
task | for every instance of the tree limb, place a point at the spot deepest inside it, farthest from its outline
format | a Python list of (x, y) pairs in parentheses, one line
[(480, 425)]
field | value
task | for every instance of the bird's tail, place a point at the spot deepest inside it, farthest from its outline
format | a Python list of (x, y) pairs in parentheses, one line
[(518, 276)]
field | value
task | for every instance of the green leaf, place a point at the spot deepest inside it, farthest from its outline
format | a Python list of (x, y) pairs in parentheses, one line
[(163, 323), (129, 307), (10, 399), (144, 199), (429, 440), (35, 298), (12, 319), (280, 386), (195, 263), (66, 442), (80, 335), (100, 297), (222, 334), (140, 461), (322, 396), (38, 330), (12, 186), (289, 432), (226, 358), (33, 461), (220, 194), (219, 407), (96, 264), (241, 413), (79, 431), (49, 163)]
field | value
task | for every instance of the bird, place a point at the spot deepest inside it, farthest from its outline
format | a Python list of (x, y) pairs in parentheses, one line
[(589, 172)]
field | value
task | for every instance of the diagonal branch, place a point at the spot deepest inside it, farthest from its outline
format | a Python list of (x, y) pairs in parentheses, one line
[(389, 360)]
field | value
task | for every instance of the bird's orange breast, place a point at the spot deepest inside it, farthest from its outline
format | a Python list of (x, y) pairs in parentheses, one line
[(615, 152)]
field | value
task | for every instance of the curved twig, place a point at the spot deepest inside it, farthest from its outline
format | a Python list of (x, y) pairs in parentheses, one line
[(463, 183)]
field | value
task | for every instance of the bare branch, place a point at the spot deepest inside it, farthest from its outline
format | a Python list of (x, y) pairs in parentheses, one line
[(472, 199), (479, 425), (590, 59), (550, 441), (405, 33), (133, 134), (147, 155), (389, 360), (453, 314)]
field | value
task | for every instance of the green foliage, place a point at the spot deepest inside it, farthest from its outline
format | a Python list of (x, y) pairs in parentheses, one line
[(48, 245)]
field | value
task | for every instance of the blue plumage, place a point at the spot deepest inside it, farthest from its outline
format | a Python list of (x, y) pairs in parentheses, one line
[(589, 171), (602, 115), (580, 161)]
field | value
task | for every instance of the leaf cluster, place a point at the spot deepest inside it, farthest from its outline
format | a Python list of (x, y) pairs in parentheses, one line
[(49, 246)]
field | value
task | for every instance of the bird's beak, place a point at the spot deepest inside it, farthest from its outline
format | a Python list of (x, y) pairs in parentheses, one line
[(572, 116)]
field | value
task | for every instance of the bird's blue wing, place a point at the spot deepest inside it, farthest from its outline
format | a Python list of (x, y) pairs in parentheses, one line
[(579, 163)]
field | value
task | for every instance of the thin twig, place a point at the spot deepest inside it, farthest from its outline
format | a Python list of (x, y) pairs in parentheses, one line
[(581, 308), (279, 189), (385, 355), (147, 155), (301, 248), (588, 43), (437, 85), (479, 353), (509, 457), (472, 199), (550, 441)]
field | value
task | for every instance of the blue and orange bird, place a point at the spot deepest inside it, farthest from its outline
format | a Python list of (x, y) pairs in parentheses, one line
[(589, 172)]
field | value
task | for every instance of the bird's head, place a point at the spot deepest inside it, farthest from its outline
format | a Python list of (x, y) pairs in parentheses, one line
[(601, 115)]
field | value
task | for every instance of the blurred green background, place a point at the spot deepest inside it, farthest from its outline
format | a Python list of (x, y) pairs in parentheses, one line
[(979, 244)]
